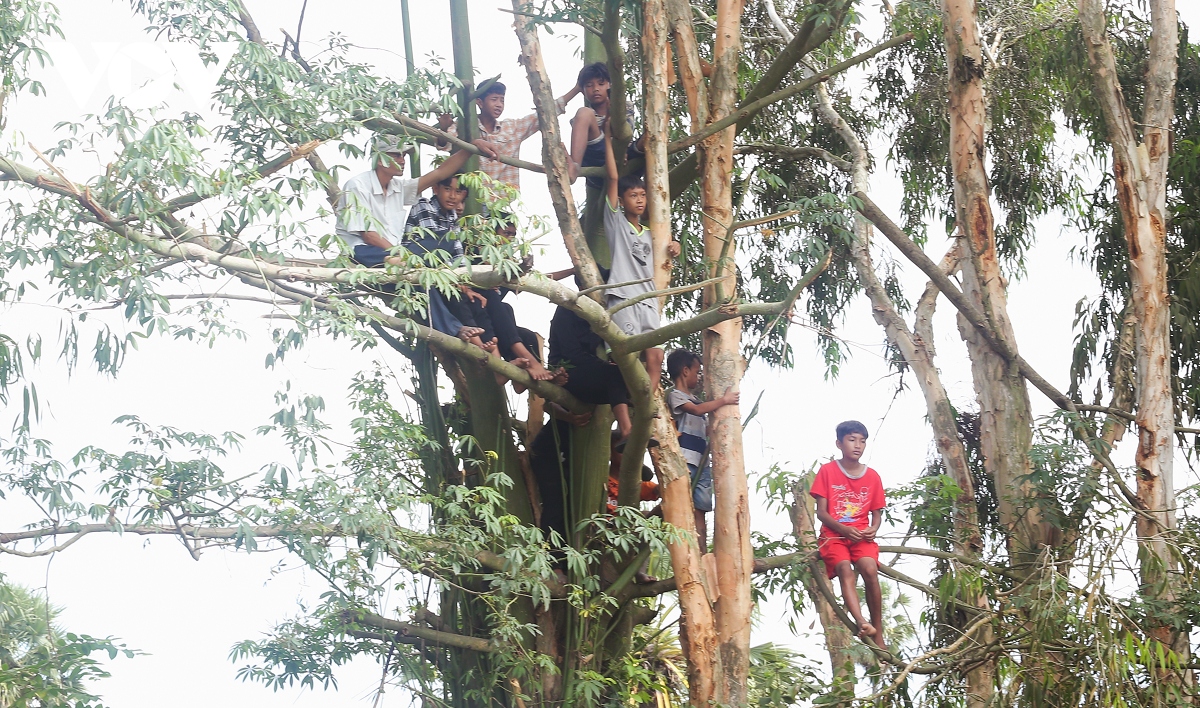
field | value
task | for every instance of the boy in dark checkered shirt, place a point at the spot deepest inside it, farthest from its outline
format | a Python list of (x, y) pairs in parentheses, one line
[(432, 232)]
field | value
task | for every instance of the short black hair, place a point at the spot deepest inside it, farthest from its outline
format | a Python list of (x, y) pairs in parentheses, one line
[(494, 87), (851, 426), (599, 70), (449, 181), (604, 273), (629, 182), (679, 360), (505, 219)]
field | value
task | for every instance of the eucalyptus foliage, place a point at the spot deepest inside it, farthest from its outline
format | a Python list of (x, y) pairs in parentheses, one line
[(423, 515)]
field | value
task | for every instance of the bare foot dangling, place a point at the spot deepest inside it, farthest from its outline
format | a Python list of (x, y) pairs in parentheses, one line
[(466, 333), (866, 630), (538, 372)]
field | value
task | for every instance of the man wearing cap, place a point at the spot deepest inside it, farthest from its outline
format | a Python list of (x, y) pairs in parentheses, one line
[(373, 207), (505, 136)]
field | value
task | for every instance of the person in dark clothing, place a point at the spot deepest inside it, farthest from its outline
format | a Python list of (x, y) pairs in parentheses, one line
[(550, 461), (573, 346), (499, 322), (432, 231)]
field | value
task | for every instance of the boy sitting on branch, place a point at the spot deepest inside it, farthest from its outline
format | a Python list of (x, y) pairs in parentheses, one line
[(847, 492)]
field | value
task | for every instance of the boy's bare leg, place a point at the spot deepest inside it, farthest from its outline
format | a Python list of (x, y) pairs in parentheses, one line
[(868, 568), (849, 578), (701, 530), (642, 576), (654, 362), (532, 365), (624, 424)]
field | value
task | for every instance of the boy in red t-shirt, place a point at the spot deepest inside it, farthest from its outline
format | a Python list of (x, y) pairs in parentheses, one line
[(847, 493)]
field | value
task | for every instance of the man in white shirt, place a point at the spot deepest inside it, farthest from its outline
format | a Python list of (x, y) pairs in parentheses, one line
[(374, 205), (373, 209)]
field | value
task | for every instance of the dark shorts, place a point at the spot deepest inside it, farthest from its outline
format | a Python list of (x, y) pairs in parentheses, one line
[(702, 487), (370, 256), (835, 549)]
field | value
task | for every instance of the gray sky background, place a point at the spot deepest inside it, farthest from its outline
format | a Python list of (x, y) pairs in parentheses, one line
[(185, 614)]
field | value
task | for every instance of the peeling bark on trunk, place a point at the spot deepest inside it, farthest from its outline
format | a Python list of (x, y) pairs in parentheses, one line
[(656, 61), (837, 638), (1140, 172), (724, 367), (698, 633), (1005, 418), (679, 16)]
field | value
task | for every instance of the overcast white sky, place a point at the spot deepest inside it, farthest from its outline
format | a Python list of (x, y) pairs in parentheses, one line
[(186, 614)]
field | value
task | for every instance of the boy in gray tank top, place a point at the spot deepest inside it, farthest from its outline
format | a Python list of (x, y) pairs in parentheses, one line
[(632, 258)]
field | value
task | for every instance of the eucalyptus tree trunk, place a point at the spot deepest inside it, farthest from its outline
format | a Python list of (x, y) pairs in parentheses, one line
[(656, 61), (691, 74), (1140, 176), (699, 633), (697, 590), (1005, 417), (724, 366), (409, 68)]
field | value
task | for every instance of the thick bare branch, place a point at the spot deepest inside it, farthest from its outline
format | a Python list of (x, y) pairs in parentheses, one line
[(441, 340), (406, 629), (718, 314)]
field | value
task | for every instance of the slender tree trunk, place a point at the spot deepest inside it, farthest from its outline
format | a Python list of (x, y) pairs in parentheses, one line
[(464, 69), (699, 634), (724, 367), (1140, 174), (656, 60), (698, 631), (409, 67), (1005, 418), (687, 50)]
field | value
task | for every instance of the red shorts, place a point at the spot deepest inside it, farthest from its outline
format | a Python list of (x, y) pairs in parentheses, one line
[(835, 549)]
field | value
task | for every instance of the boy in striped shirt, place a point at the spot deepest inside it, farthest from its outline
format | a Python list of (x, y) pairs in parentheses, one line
[(683, 366)]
